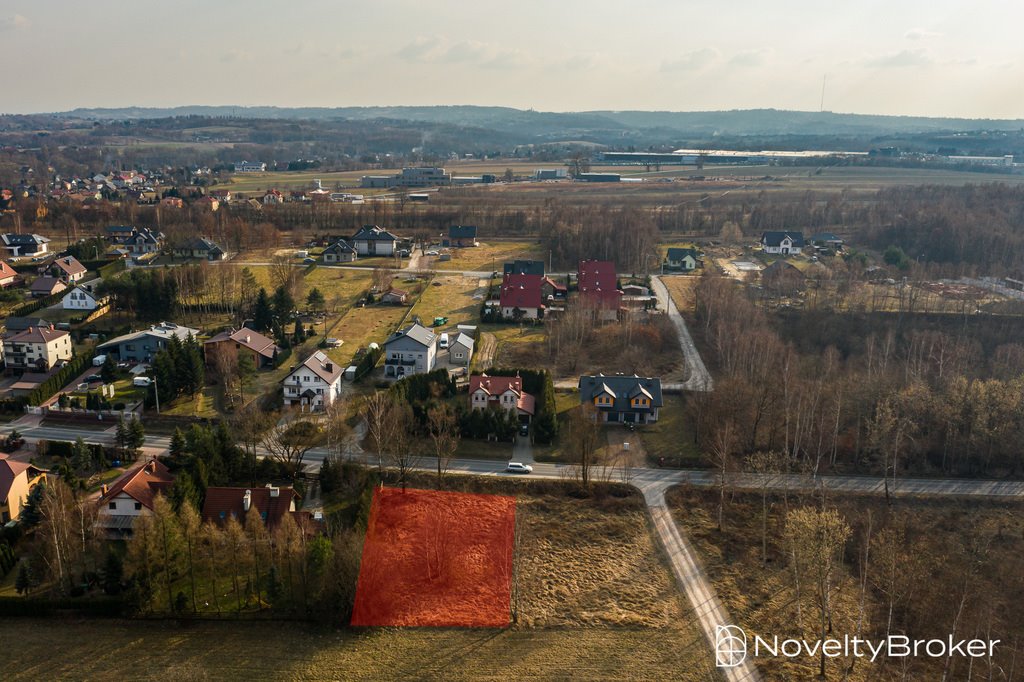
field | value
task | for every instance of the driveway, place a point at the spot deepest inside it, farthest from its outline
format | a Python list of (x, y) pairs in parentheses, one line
[(700, 378), (522, 450)]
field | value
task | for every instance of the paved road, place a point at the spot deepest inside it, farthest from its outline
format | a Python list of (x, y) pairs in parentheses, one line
[(700, 378)]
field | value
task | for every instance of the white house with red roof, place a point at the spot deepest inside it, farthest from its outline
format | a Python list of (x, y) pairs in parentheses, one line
[(504, 393), (131, 496), (8, 276), (522, 292)]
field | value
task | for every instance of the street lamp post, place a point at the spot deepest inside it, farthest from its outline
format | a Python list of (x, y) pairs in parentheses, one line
[(156, 394)]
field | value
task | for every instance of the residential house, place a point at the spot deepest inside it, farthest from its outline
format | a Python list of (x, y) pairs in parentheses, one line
[(460, 350), (314, 384), (785, 278), (250, 167), (552, 290), (137, 241), (131, 496), (172, 202), (273, 504), (8, 276), (374, 241), (826, 240), (524, 267), (598, 291), (461, 236), (412, 350), (85, 297), (42, 287), (24, 244), (785, 243), (629, 399), (224, 196), (17, 479), (339, 252), (261, 349), (141, 346), (209, 203), (504, 393), (36, 349), (200, 247), (682, 259), (394, 296), (13, 325), (68, 269), (273, 197), (521, 293)]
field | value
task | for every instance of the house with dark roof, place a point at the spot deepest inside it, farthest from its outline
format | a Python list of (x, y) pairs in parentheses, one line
[(68, 269), (201, 247), (504, 393), (141, 346), (137, 241), (131, 496), (13, 325), (42, 287), (521, 293), (271, 502), (17, 479), (785, 243), (314, 384), (524, 267), (826, 239), (235, 343), (339, 252), (412, 350), (682, 259), (374, 241), (460, 236), (622, 398), (24, 244)]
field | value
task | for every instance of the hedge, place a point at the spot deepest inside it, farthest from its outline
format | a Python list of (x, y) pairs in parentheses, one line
[(112, 268), (27, 309), (48, 388), (64, 448), (367, 362)]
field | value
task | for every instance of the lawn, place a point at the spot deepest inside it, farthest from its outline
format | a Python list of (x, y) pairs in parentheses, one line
[(671, 437), (453, 296), (360, 326), (681, 289), (489, 256)]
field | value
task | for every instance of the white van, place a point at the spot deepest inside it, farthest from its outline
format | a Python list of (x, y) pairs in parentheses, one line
[(99, 360), (443, 343), (142, 381)]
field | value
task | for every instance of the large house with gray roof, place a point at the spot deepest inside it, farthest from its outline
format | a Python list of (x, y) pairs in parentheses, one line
[(621, 398), (24, 244), (141, 346), (412, 350), (374, 241)]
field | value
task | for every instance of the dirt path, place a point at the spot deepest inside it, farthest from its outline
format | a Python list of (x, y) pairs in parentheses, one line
[(486, 350), (699, 378)]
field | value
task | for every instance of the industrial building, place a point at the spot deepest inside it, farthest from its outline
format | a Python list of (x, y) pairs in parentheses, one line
[(428, 176)]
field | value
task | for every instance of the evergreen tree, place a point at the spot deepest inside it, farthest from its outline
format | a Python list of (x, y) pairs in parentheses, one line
[(247, 294), (263, 313), (136, 436), (81, 455), (283, 305), (23, 583), (113, 573), (183, 492), (30, 514), (316, 300), (177, 449), (109, 369)]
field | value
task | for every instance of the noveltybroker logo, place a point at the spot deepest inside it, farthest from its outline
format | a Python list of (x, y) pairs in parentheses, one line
[(730, 646)]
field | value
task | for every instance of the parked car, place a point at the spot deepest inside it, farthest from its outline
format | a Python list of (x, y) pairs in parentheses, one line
[(309, 261), (142, 381), (518, 468), (432, 252), (443, 342), (93, 378), (524, 429)]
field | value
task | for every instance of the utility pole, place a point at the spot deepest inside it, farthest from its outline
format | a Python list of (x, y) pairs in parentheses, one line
[(156, 394)]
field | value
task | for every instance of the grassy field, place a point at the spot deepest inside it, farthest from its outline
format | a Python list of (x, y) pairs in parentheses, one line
[(112, 650), (680, 288), (360, 326), (488, 257), (671, 437), (451, 296)]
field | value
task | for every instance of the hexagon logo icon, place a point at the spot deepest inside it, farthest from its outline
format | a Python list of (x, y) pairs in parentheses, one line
[(730, 646)]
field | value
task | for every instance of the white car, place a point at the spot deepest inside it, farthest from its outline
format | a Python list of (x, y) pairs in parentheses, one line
[(518, 468), (431, 253)]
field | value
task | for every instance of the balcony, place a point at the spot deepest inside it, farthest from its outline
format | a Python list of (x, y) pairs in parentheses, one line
[(398, 362)]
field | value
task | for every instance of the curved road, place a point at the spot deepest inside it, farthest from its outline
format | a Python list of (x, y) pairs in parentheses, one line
[(700, 378)]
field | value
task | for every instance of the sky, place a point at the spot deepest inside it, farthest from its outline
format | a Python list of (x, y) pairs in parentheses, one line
[(903, 57)]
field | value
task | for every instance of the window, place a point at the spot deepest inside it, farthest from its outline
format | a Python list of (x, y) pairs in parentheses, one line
[(112, 505), (138, 506), (130, 346)]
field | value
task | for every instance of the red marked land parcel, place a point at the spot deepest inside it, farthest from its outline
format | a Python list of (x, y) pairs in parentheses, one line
[(436, 559)]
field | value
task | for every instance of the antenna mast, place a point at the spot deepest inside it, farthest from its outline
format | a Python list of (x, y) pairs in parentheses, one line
[(823, 92)]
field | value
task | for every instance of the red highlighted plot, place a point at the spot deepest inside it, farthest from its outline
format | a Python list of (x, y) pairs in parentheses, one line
[(436, 559)]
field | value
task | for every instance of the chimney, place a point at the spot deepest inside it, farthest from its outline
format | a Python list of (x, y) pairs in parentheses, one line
[(329, 367), (247, 500), (248, 338), (151, 467)]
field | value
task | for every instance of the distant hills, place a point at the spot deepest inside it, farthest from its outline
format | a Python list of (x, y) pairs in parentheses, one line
[(603, 124)]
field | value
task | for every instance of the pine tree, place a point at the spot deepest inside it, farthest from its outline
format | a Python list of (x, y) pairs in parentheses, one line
[(263, 313), (121, 436), (177, 449), (109, 369), (283, 305), (81, 456), (315, 300), (136, 436), (23, 583)]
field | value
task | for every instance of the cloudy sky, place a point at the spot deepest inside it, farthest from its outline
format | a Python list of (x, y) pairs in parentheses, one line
[(934, 57)]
